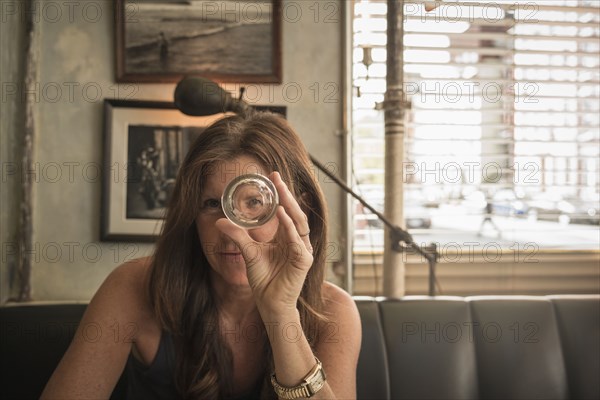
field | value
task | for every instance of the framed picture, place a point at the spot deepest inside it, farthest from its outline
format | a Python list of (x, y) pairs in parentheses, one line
[(224, 40), (145, 142)]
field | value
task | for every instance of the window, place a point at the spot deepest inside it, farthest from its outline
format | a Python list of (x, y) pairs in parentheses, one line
[(502, 138)]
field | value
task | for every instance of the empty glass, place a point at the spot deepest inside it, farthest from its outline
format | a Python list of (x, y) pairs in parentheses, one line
[(250, 201)]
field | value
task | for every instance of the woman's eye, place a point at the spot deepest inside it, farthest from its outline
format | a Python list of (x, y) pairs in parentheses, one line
[(211, 204), (253, 203)]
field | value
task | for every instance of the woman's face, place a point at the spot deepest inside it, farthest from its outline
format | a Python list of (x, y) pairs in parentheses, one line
[(223, 255)]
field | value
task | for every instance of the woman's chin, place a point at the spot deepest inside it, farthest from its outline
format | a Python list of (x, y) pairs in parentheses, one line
[(233, 276), (240, 280)]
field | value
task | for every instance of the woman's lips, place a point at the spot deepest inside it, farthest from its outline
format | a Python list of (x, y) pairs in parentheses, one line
[(231, 256)]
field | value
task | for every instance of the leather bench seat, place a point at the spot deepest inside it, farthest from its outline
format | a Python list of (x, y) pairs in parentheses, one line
[(416, 347), (484, 347)]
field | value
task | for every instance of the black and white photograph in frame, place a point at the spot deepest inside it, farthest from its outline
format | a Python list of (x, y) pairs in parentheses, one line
[(154, 154), (224, 40), (145, 142)]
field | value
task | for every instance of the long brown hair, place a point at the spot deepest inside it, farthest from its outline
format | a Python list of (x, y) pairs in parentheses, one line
[(179, 287)]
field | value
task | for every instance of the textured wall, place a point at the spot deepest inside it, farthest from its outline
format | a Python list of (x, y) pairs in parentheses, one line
[(77, 56)]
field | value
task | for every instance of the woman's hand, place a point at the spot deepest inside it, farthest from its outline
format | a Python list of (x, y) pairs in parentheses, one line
[(276, 269)]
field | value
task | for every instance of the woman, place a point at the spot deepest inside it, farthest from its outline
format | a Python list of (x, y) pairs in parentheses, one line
[(219, 311)]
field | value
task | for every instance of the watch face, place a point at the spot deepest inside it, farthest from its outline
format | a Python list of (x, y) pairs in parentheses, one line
[(312, 384), (317, 381)]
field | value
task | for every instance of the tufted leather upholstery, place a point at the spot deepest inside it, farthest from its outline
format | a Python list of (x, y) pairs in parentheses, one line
[(519, 355), (486, 347), (429, 332), (373, 357), (578, 321)]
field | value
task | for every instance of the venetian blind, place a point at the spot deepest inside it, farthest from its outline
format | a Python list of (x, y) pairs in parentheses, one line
[(504, 120)]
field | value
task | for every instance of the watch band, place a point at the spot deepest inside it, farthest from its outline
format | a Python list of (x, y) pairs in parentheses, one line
[(311, 384)]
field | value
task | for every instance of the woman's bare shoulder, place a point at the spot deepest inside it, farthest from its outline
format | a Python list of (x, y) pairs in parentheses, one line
[(126, 285), (133, 273), (118, 314), (335, 297), (340, 309), (136, 268), (339, 342)]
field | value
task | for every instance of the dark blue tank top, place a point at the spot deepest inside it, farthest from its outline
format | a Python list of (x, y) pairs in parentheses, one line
[(153, 382), (156, 381)]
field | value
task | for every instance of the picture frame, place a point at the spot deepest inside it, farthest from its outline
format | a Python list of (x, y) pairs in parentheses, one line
[(145, 142), (226, 40)]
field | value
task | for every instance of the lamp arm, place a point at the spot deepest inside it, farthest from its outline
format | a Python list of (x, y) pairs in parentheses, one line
[(397, 234)]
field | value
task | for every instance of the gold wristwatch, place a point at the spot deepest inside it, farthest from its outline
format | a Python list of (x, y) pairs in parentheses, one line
[(311, 384)]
